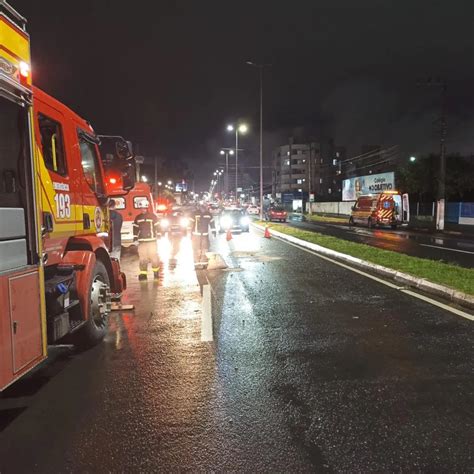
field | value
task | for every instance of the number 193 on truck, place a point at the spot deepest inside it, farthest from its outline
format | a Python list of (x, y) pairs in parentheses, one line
[(56, 273)]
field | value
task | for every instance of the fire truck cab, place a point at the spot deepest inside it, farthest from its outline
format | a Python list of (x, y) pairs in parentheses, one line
[(56, 274)]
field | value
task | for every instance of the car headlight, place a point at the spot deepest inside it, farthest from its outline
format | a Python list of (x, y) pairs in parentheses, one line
[(164, 223), (184, 222), (244, 221), (226, 221)]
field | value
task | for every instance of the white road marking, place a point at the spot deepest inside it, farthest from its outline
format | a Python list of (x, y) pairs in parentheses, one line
[(206, 317), (439, 304), (446, 248), (403, 289)]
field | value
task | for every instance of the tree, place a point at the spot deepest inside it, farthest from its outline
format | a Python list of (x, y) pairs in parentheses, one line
[(419, 178)]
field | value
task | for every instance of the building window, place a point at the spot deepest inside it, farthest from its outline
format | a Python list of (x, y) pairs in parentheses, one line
[(334, 162), (337, 154), (320, 180), (304, 161), (329, 190), (322, 161), (299, 181), (52, 144)]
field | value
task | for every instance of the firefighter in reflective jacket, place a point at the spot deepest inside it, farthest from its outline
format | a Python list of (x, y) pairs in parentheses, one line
[(146, 229), (202, 224)]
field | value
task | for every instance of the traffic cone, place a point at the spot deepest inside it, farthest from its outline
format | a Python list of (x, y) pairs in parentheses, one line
[(267, 232), (228, 236)]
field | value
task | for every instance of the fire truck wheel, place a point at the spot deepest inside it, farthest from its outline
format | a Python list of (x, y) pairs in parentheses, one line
[(95, 329)]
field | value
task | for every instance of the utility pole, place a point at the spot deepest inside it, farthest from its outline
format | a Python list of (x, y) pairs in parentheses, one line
[(155, 183), (441, 191), (310, 181), (442, 164)]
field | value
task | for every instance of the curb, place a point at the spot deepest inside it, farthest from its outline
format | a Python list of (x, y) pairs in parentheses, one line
[(458, 297)]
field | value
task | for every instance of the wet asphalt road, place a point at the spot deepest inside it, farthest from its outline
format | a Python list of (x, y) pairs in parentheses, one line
[(312, 368), (434, 246)]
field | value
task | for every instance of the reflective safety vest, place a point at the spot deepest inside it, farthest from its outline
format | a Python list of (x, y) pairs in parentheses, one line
[(201, 224), (146, 227)]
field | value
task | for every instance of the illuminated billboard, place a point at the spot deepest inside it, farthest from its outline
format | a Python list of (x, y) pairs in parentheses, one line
[(352, 188)]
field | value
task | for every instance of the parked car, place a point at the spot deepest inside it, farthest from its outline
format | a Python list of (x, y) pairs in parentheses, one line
[(234, 220), (377, 209), (276, 214), (176, 222), (253, 210), (214, 209)]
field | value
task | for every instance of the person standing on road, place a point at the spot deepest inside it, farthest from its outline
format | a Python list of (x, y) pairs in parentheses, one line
[(146, 229), (202, 223), (116, 221)]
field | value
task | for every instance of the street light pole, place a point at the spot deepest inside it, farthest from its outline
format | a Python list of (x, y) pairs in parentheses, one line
[(242, 128), (226, 152), (261, 143), (260, 68), (236, 161)]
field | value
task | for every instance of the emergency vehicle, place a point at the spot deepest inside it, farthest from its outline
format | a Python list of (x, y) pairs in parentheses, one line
[(388, 208), (56, 274), (130, 206)]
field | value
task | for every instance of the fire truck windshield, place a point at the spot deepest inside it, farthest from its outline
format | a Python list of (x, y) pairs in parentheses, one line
[(119, 165)]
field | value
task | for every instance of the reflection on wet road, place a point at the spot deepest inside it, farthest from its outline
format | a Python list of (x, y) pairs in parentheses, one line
[(312, 368), (453, 249)]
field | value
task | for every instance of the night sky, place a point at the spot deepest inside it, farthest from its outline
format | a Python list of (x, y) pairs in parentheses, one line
[(169, 75)]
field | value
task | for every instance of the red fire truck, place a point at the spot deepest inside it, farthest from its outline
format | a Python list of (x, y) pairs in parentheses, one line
[(56, 274), (130, 206)]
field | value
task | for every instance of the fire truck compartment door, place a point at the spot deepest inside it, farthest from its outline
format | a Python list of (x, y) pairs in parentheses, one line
[(13, 223), (25, 319), (13, 253)]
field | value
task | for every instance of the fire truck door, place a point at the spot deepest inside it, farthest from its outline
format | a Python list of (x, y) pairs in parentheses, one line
[(406, 207), (57, 187), (92, 186)]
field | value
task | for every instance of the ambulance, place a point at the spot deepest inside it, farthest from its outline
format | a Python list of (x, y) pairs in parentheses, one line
[(389, 208)]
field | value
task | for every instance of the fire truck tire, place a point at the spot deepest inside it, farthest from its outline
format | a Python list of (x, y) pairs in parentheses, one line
[(95, 329)]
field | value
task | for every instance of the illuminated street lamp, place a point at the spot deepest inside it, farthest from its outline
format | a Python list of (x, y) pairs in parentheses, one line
[(226, 152), (144, 179), (242, 129), (412, 159)]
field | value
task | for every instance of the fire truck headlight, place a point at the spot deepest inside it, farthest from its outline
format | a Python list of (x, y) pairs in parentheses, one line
[(244, 221), (164, 223)]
